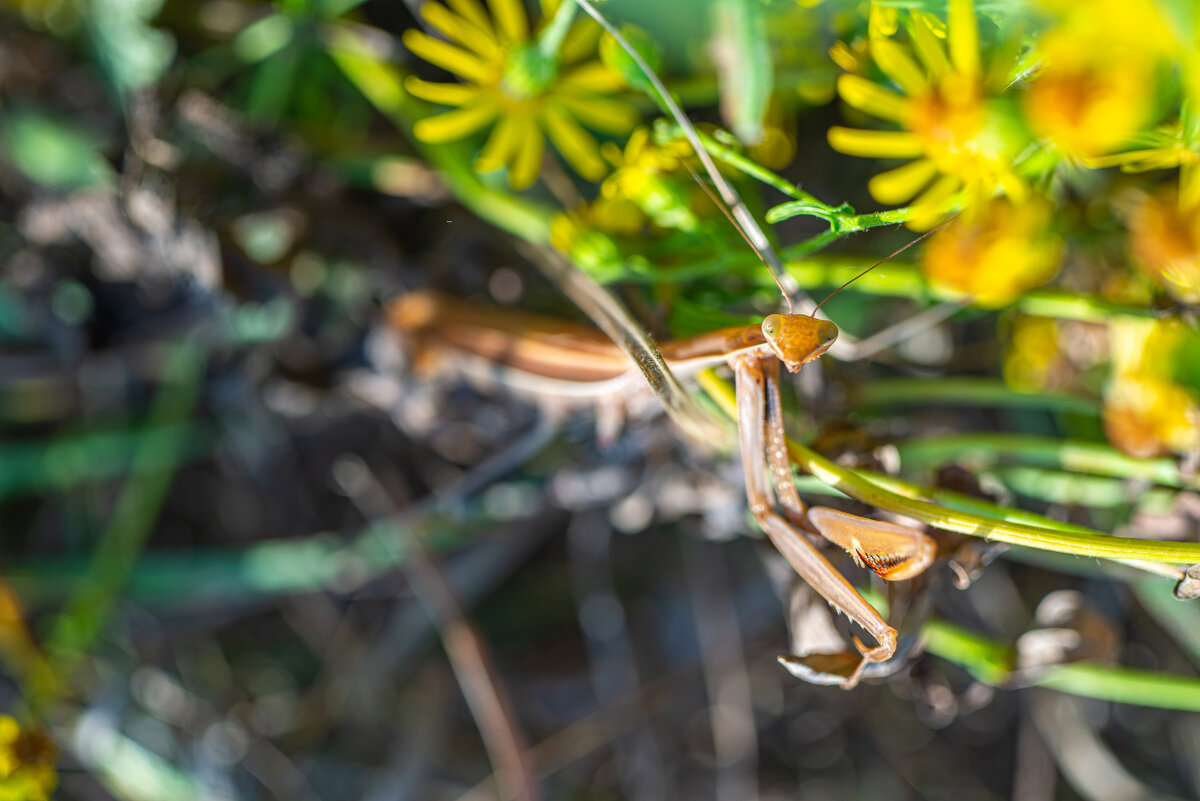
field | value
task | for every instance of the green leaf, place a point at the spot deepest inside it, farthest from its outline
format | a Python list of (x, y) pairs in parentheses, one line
[(615, 57), (131, 53), (52, 153)]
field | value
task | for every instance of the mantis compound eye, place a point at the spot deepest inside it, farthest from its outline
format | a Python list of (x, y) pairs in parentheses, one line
[(827, 332), (772, 326)]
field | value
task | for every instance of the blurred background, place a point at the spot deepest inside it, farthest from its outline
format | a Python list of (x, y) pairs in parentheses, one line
[(255, 543)]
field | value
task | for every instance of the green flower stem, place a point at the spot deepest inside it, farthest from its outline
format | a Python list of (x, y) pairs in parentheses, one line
[(992, 662), (875, 219), (842, 218), (979, 450), (984, 508), (1078, 489), (551, 38), (860, 488), (967, 392), (728, 155)]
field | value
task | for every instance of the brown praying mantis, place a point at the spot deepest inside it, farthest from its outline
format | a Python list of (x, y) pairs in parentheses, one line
[(582, 362)]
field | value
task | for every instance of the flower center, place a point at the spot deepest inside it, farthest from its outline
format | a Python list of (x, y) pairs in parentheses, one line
[(528, 73), (949, 118)]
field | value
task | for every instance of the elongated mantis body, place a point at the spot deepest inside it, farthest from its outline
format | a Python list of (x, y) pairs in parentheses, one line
[(582, 362)]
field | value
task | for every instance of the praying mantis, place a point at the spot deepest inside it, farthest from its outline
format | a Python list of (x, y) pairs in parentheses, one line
[(582, 362)]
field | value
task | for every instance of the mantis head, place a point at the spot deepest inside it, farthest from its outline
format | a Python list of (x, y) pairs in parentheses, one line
[(798, 339)]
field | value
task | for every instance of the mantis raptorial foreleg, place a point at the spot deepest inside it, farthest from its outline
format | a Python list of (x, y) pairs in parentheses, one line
[(892, 551)]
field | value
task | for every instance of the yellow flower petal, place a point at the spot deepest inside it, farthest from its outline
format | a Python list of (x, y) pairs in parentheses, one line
[(931, 206), (929, 49), (580, 42), (462, 31), (577, 146), (510, 19), (593, 76), (501, 145), (903, 183), (455, 124), (447, 56), (472, 11), (933, 22), (878, 144), (895, 63), (964, 38), (872, 98), (882, 21), (447, 94), (601, 113), (1007, 250), (528, 163)]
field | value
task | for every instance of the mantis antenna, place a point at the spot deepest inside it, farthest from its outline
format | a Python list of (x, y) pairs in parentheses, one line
[(717, 202), (888, 257)]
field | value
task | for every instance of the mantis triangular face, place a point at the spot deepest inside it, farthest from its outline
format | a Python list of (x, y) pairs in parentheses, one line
[(893, 552)]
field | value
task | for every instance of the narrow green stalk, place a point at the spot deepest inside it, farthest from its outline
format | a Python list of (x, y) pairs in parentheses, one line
[(856, 486), (992, 663), (982, 449), (967, 392), (985, 659), (1124, 685), (730, 156)]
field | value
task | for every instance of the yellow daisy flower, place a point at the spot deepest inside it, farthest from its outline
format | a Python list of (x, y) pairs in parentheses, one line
[(26, 763), (1146, 416), (511, 82), (1161, 149), (1091, 94), (1032, 359), (1147, 412), (1164, 240), (643, 176), (961, 138), (995, 254)]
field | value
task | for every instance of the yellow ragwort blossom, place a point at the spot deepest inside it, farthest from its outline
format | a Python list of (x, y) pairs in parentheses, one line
[(1147, 412), (1164, 240), (1146, 416), (1090, 96), (508, 83), (643, 174), (996, 254), (1163, 148), (1032, 357), (26, 763), (962, 145)]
